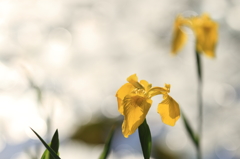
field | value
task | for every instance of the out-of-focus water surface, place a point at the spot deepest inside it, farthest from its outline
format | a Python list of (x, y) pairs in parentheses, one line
[(65, 59)]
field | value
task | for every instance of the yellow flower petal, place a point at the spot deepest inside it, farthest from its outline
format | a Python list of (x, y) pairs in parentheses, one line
[(133, 79), (179, 37), (121, 93), (169, 110), (167, 86), (210, 31), (135, 110), (156, 91), (206, 34), (146, 85)]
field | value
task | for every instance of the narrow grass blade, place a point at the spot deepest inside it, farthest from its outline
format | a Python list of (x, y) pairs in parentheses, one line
[(107, 146), (193, 136), (52, 152), (145, 139), (55, 142)]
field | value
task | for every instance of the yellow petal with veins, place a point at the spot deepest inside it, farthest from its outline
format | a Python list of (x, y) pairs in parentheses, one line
[(133, 79), (169, 110), (121, 93), (135, 110), (156, 91), (146, 85)]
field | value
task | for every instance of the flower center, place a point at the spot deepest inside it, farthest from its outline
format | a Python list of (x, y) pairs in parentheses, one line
[(140, 92), (139, 101)]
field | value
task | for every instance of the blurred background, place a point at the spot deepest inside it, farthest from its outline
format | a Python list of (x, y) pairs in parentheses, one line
[(62, 61)]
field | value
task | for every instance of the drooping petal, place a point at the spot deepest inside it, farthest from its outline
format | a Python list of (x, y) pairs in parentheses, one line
[(135, 110), (179, 37), (127, 88), (133, 79), (169, 110), (156, 91), (146, 85)]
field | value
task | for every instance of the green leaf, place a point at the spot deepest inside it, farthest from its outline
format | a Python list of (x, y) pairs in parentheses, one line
[(54, 144), (107, 146), (145, 139), (45, 155), (193, 136), (53, 154)]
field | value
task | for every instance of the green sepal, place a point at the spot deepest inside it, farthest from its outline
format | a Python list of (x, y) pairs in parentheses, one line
[(145, 139), (52, 149), (107, 146)]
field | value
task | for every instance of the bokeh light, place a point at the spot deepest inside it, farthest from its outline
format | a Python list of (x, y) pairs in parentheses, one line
[(225, 95), (176, 140)]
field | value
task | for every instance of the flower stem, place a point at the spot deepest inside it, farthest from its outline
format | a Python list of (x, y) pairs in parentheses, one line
[(200, 106)]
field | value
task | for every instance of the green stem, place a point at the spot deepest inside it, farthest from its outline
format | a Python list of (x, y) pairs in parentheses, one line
[(200, 106)]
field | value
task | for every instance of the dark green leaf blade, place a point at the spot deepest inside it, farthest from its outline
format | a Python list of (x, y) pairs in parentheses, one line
[(53, 154), (193, 136), (145, 139), (55, 143), (107, 146)]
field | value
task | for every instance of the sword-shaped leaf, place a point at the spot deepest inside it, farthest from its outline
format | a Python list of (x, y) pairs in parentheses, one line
[(193, 136), (55, 146), (145, 139)]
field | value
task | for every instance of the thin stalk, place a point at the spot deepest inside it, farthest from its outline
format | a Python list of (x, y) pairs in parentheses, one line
[(200, 105)]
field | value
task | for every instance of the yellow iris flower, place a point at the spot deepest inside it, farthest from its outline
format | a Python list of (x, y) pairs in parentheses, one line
[(205, 30), (134, 101)]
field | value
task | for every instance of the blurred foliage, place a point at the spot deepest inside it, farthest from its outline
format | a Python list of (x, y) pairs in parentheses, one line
[(95, 132), (160, 153), (108, 144)]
